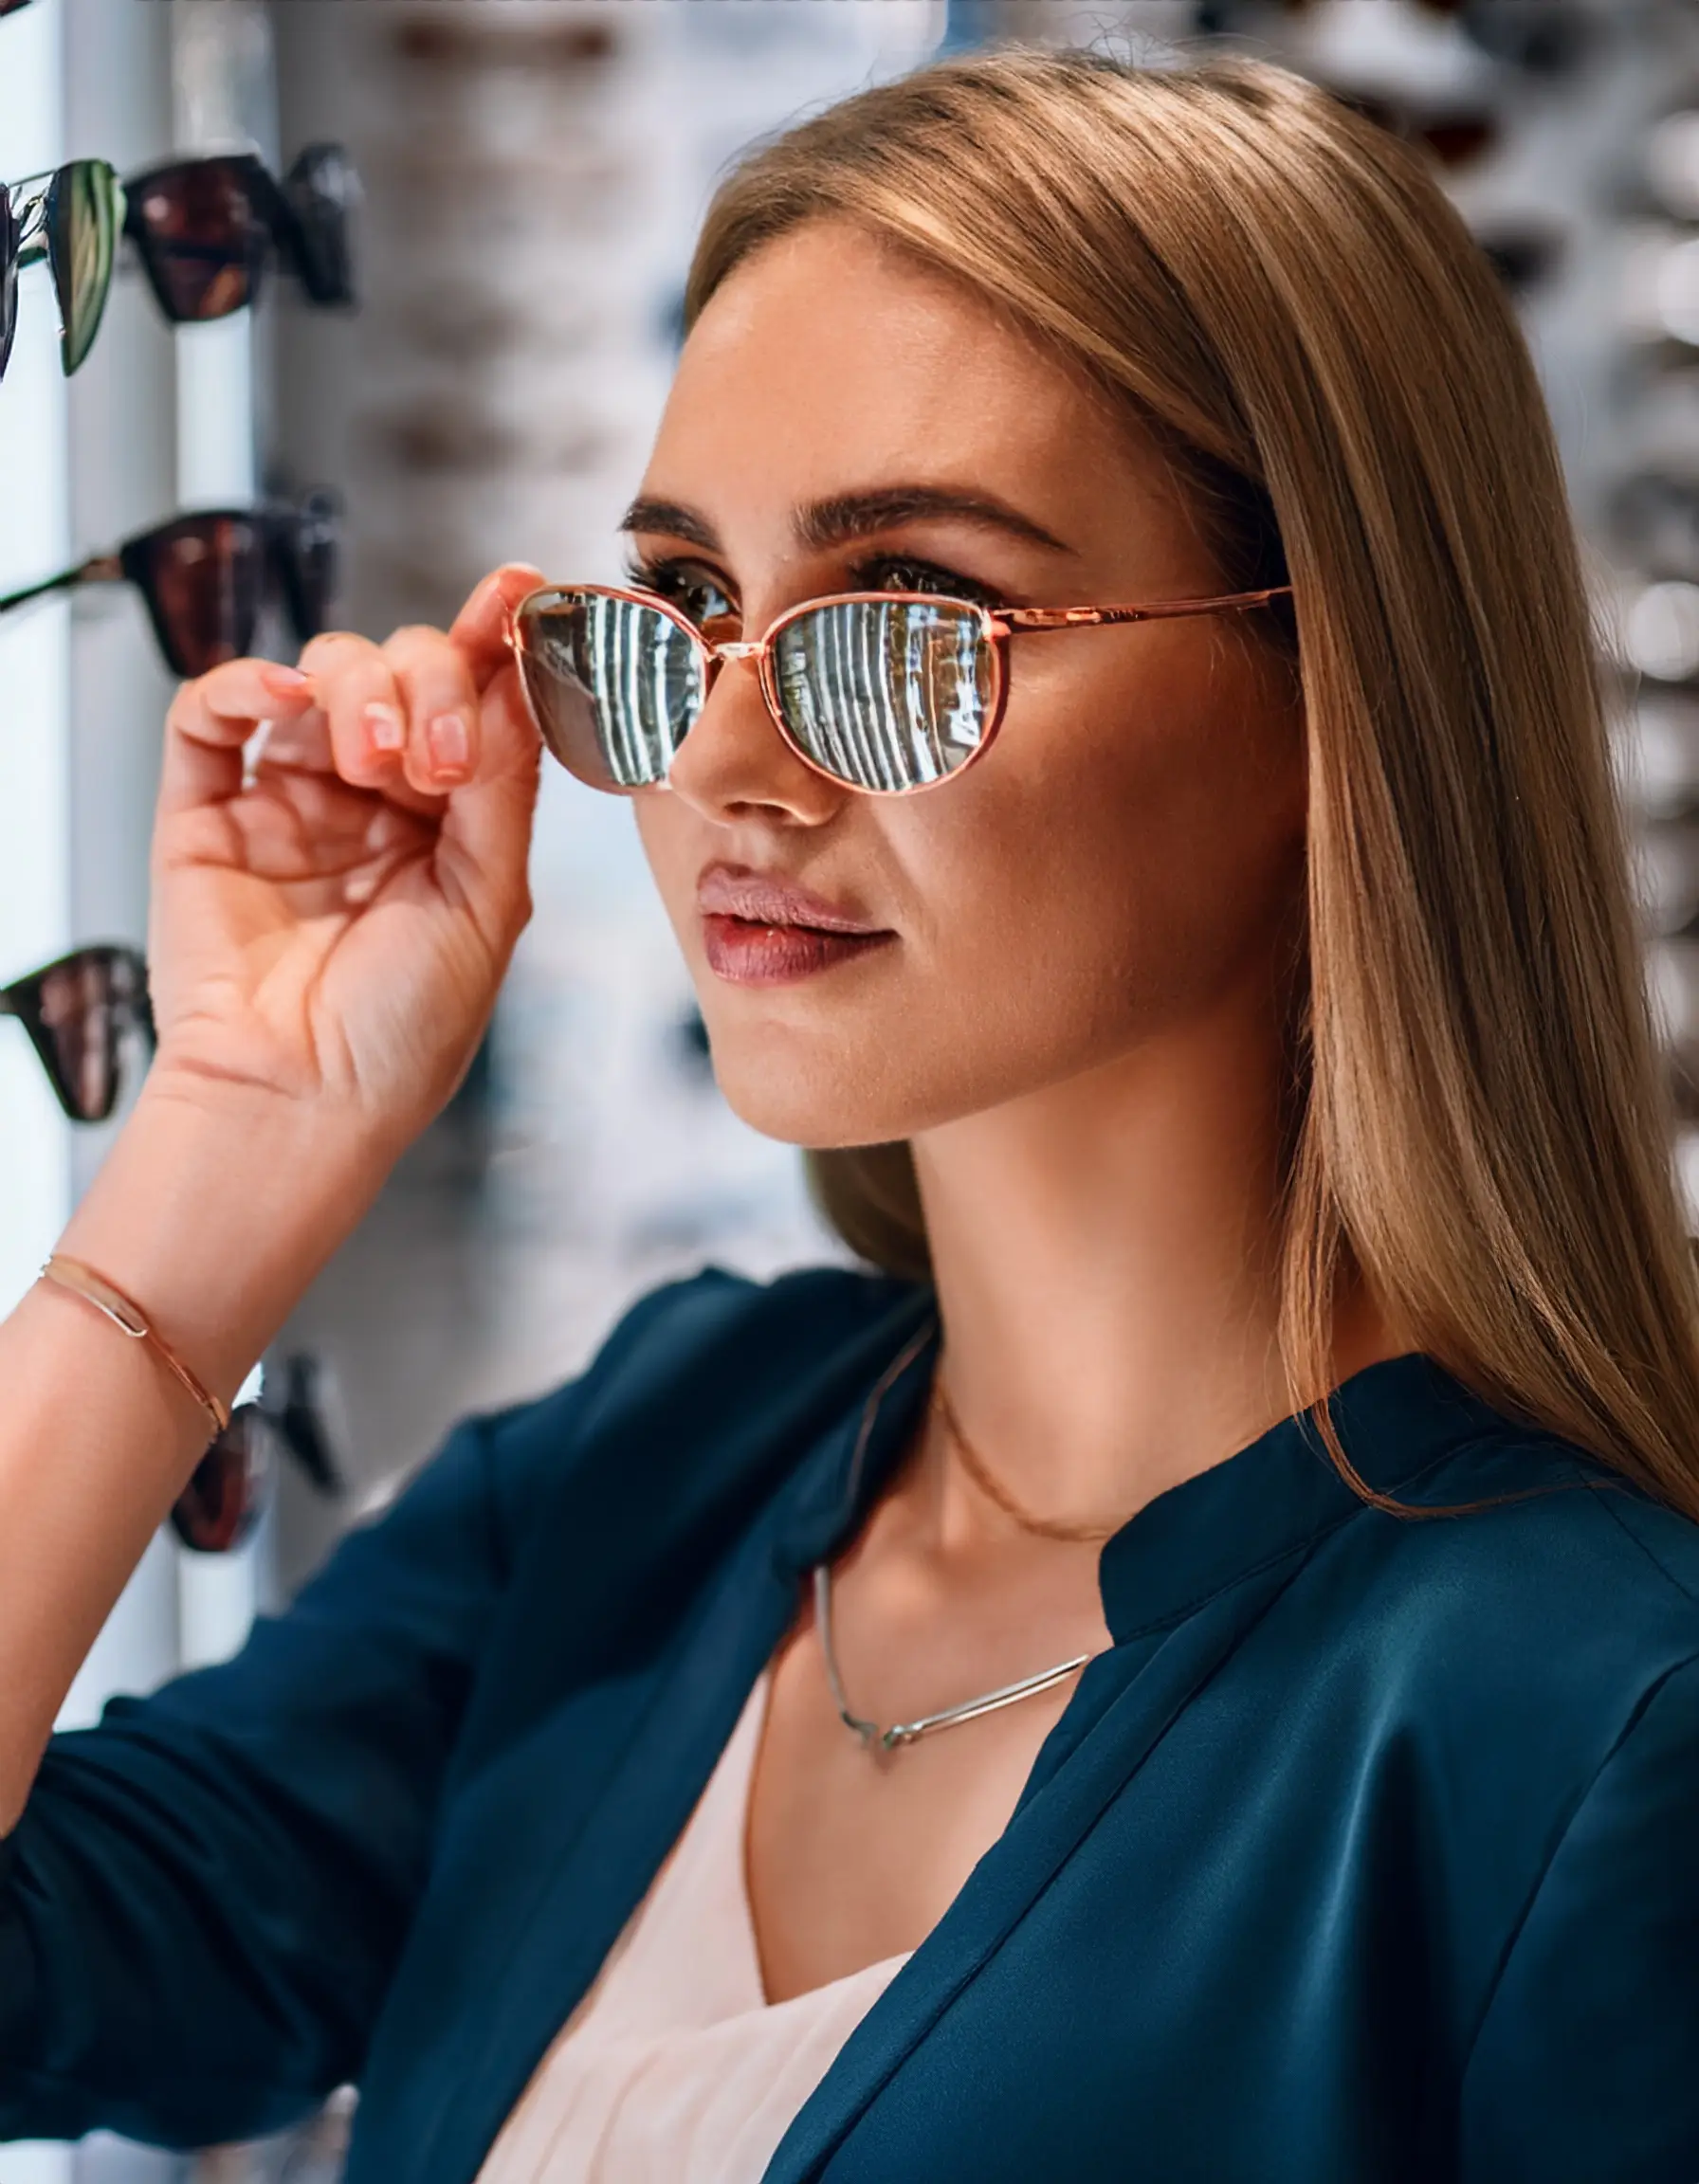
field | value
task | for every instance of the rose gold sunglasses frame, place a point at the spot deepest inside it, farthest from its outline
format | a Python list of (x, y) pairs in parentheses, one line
[(997, 625)]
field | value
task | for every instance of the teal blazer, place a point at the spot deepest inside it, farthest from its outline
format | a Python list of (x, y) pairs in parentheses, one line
[(1368, 1852)]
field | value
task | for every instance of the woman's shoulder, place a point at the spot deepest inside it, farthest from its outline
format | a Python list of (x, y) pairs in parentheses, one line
[(1562, 1593), (701, 1377)]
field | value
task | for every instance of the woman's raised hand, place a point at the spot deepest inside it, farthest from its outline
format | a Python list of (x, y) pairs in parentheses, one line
[(332, 918)]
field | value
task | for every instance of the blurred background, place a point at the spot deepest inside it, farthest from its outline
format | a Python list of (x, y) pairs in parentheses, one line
[(522, 183)]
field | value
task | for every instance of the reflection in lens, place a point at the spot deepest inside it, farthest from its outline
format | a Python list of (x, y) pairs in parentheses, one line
[(886, 694), (217, 1509), (84, 215), (8, 276), (614, 685)]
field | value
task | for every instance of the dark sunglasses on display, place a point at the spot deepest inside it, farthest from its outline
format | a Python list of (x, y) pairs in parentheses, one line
[(227, 1490), (208, 577), (82, 1013), (886, 692), (205, 228), (71, 218)]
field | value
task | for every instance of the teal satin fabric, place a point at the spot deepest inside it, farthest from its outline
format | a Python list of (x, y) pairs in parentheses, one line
[(1367, 1853)]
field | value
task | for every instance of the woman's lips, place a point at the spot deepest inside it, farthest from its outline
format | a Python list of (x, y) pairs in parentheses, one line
[(748, 954)]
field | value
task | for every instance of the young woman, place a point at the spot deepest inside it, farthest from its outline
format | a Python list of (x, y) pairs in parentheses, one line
[(1221, 1029)]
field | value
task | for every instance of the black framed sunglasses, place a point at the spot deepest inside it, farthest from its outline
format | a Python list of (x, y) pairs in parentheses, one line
[(84, 1013), (886, 692), (205, 228), (72, 219), (227, 1491), (207, 578)]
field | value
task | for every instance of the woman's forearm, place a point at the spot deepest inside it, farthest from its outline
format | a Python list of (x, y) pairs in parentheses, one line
[(213, 1217)]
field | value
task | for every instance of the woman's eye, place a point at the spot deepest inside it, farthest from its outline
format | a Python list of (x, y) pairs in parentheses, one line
[(894, 573), (699, 596)]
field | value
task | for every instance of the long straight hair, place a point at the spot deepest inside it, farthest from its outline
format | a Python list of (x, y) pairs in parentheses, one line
[(1280, 292)]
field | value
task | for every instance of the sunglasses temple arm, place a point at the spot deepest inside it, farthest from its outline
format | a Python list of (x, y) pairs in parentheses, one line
[(100, 569)]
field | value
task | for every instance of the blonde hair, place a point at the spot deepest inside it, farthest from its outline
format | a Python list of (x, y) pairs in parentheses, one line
[(1281, 292)]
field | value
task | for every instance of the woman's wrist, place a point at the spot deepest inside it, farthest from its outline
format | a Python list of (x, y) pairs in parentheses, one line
[(213, 1214)]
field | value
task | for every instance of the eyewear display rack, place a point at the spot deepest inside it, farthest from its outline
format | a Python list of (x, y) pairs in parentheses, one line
[(158, 419)]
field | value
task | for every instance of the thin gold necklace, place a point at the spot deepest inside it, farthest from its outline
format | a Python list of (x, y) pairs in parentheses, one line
[(974, 1465)]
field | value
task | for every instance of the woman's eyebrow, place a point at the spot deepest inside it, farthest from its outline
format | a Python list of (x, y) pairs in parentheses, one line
[(847, 517)]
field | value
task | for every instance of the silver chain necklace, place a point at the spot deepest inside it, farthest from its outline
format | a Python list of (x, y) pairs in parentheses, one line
[(906, 1732), (870, 1733)]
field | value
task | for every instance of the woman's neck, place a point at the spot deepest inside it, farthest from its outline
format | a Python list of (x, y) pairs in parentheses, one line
[(1106, 1260)]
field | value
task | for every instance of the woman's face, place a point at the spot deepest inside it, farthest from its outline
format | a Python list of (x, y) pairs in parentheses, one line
[(1123, 859)]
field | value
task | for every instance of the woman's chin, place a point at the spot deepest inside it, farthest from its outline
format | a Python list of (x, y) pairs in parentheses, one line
[(809, 1107)]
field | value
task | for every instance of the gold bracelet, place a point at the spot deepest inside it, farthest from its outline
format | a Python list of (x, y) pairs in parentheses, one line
[(73, 1275)]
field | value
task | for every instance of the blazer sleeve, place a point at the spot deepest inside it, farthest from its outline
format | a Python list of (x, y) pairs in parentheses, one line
[(205, 1897), (1586, 2063)]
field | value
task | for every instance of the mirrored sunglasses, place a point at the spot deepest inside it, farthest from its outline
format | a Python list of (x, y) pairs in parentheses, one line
[(71, 219), (882, 692)]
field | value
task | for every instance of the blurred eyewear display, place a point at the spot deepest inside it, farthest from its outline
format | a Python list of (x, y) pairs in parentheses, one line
[(11, 6), (72, 218), (221, 1504), (207, 578), (203, 230), (80, 1014)]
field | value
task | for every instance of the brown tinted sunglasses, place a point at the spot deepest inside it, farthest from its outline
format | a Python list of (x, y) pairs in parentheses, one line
[(84, 1013)]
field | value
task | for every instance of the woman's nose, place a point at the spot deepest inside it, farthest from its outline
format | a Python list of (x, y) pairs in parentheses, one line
[(734, 757)]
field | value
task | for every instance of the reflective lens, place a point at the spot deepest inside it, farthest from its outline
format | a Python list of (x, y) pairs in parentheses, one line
[(85, 218), (886, 695), (217, 1509), (612, 684), (204, 581), (8, 276)]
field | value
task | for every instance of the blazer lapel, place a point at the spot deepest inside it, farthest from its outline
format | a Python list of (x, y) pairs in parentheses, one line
[(686, 1702), (635, 1820), (1135, 1691)]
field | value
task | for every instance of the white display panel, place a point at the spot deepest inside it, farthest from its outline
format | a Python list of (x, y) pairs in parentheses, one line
[(34, 676)]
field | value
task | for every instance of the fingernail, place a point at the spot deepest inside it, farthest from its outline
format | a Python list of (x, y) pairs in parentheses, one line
[(449, 745), (284, 682), (385, 728)]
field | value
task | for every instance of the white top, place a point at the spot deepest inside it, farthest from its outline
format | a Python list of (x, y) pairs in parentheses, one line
[(675, 2069)]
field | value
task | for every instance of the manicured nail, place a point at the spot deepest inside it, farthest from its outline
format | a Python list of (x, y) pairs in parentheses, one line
[(284, 682), (385, 728), (449, 745)]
